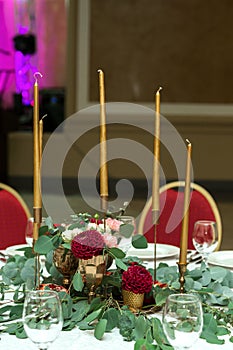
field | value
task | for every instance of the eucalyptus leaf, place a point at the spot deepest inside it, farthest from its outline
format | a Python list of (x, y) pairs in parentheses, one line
[(28, 252), (205, 279), (139, 241), (140, 328), (78, 282), (112, 317), (126, 324), (211, 338), (158, 332), (27, 273), (43, 245), (20, 332), (10, 269), (73, 226), (197, 285), (142, 344), (16, 312), (100, 329), (80, 310), (126, 230), (222, 331), (96, 303), (83, 326), (49, 222), (116, 253), (56, 241), (227, 292), (43, 229), (160, 298), (120, 264), (218, 273), (66, 245), (11, 328), (92, 316)]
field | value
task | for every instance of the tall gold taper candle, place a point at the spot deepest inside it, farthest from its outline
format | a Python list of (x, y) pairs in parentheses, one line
[(36, 162), (156, 177), (103, 148), (185, 221), (41, 127), (156, 170), (41, 137)]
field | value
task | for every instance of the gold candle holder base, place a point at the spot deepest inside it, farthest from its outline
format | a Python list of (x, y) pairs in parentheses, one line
[(182, 270)]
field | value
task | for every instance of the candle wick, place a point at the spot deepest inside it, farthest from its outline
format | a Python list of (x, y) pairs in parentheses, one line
[(35, 75), (187, 140), (44, 116), (159, 89), (99, 71)]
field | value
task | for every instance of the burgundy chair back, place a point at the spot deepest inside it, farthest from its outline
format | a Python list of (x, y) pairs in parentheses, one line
[(168, 230), (13, 218)]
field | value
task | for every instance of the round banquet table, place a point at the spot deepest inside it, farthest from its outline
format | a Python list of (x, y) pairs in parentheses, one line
[(85, 340)]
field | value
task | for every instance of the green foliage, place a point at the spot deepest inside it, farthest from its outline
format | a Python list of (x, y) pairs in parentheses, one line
[(127, 323), (213, 285), (100, 328), (78, 282), (139, 241), (126, 230)]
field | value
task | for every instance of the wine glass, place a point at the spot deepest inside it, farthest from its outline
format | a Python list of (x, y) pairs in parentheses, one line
[(42, 317), (125, 239), (29, 230), (182, 320), (205, 237)]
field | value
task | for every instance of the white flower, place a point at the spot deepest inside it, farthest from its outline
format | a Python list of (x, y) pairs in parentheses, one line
[(68, 235)]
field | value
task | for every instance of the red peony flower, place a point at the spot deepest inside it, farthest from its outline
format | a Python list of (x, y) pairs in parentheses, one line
[(137, 280), (87, 244)]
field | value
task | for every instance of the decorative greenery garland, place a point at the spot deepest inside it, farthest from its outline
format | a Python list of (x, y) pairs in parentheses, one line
[(105, 312), (213, 285)]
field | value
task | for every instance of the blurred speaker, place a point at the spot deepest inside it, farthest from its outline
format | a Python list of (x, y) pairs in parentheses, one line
[(25, 43), (52, 103)]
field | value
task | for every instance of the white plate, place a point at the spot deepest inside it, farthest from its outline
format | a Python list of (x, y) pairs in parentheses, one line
[(222, 258), (162, 251), (14, 249)]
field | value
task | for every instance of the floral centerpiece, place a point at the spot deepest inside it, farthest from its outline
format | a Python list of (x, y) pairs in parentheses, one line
[(83, 229), (86, 242)]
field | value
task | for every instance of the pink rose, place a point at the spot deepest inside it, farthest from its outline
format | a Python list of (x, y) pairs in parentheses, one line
[(110, 240), (113, 224)]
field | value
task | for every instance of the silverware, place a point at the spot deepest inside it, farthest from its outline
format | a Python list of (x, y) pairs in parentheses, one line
[(194, 257)]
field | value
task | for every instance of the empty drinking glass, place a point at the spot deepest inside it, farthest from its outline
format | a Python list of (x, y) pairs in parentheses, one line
[(42, 317), (182, 320), (205, 237)]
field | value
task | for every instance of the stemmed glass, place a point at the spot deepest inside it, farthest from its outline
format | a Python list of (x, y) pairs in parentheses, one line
[(182, 320), (205, 237), (29, 230), (125, 240), (42, 317)]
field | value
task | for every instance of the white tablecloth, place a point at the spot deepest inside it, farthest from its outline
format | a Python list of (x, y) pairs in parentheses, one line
[(85, 340)]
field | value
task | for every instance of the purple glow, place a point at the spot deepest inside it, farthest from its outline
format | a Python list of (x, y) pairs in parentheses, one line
[(24, 71), (23, 30)]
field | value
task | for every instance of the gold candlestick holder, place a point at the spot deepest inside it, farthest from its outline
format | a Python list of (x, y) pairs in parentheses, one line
[(182, 270)]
